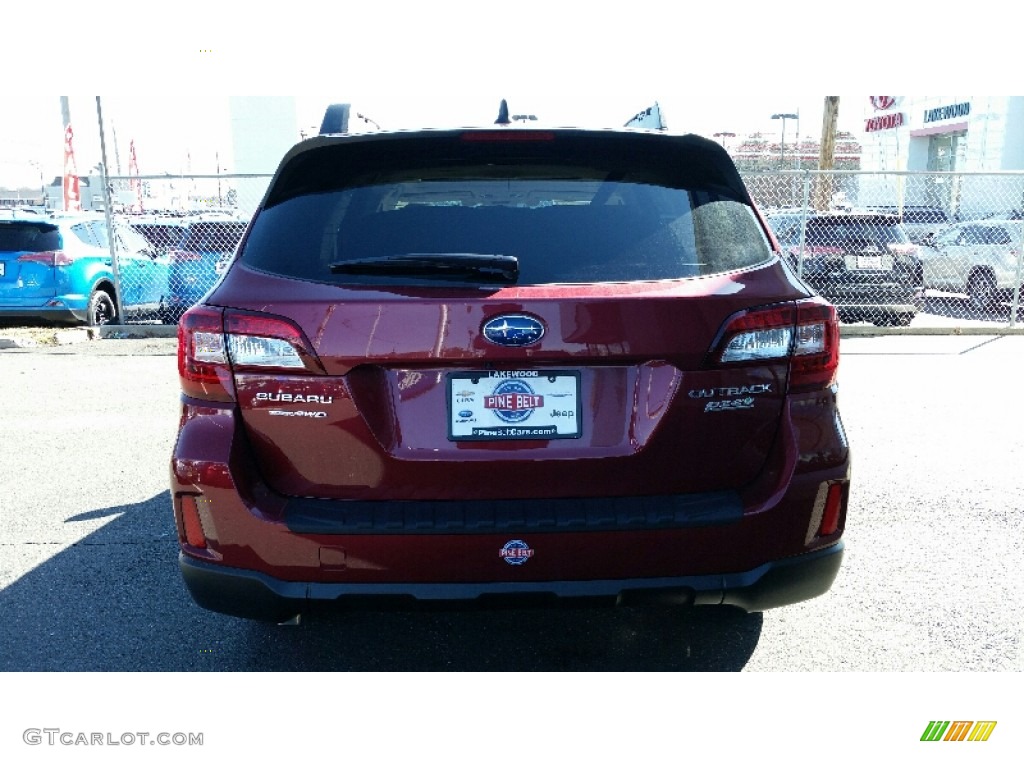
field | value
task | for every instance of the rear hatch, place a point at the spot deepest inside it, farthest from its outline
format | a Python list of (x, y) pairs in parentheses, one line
[(504, 315), (29, 253)]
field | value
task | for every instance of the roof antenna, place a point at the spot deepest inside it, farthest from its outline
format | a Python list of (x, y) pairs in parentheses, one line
[(503, 114)]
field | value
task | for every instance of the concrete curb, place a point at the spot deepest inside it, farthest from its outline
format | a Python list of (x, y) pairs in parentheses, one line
[(35, 338), (136, 331), (848, 331)]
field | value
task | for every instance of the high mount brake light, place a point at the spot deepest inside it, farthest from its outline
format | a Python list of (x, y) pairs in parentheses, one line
[(506, 136), (806, 332), (212, 343)]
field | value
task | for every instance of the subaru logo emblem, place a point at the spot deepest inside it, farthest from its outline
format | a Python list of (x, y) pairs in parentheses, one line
[(513, 330)]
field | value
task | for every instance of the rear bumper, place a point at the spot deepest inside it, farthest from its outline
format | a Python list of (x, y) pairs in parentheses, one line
[(58, 314), (869, 298), (255, 595)]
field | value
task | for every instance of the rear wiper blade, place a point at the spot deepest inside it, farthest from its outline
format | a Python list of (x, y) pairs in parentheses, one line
[(491, 266)]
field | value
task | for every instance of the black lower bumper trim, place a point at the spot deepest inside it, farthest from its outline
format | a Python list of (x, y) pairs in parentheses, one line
[(254, 595), (325, 516)]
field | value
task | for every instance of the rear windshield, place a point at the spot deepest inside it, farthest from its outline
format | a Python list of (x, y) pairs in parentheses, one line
[(924, 216), (855, 232), (160, 235), (27, 236), (565, 222)]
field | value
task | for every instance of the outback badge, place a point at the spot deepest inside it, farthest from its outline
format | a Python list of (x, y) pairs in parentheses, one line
[(513, 330)]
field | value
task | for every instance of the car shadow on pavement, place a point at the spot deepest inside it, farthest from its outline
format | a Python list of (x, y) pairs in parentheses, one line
[(960, 308), (114, 601)]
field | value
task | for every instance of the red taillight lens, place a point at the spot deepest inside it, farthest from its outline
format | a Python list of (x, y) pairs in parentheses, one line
[(815, 348), (202, 355), (47, 258), (806, 332), (213, 342)]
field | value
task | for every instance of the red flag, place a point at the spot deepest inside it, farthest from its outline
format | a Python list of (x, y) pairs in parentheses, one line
[(72, 197), (136, 183)]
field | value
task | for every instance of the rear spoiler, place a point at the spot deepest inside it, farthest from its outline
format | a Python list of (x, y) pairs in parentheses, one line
[(335, 119)]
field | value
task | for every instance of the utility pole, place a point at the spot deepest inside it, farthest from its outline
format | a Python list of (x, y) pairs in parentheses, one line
[(65, 111), (827, 156)]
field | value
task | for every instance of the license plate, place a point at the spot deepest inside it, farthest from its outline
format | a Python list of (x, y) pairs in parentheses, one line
[(869, 261), (514, 405)]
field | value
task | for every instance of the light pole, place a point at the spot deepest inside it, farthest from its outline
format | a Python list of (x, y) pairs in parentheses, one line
[(723, 135), (784, 116), (42, 182)]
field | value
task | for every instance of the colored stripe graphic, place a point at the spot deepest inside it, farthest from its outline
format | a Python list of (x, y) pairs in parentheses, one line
[(982, 730), (958, 730)]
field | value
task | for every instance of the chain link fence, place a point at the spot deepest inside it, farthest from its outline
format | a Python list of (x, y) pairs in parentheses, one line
[(189, 227), (927, 250)]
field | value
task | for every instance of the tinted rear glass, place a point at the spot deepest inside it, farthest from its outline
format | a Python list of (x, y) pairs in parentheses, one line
[(26, 236), (853, 232), (582, 217), (160, 235), (924, 216), (219, 236)]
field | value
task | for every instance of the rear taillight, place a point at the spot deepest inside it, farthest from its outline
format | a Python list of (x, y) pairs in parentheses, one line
[(806, 332), (202, 355), (214, 342), (47, 258), (903, 249)]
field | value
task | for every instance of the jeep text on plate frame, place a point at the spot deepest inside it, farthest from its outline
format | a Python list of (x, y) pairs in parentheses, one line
[(514, 405)]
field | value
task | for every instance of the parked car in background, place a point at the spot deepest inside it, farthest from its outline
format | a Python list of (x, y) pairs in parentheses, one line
[(163, 232), (979, 258), (864, 263), (205, 245), (508, 363), (59, 268), (919, 221)]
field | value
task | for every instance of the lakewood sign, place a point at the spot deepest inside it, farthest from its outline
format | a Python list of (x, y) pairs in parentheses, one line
[(947, 113)]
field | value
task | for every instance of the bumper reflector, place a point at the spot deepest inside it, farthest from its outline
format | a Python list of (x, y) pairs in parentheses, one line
[(190, 522), (833, 506)]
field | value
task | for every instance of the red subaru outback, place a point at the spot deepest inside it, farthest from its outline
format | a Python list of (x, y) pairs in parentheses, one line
[(507, 362)]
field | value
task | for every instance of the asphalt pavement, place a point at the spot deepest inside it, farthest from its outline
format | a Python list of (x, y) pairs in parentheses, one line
[(932, 579)]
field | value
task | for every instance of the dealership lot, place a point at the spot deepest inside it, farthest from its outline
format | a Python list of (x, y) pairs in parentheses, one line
[(931, 580)]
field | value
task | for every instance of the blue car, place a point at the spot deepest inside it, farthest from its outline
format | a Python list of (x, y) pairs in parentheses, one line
[(59, 268), (202, 253)]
